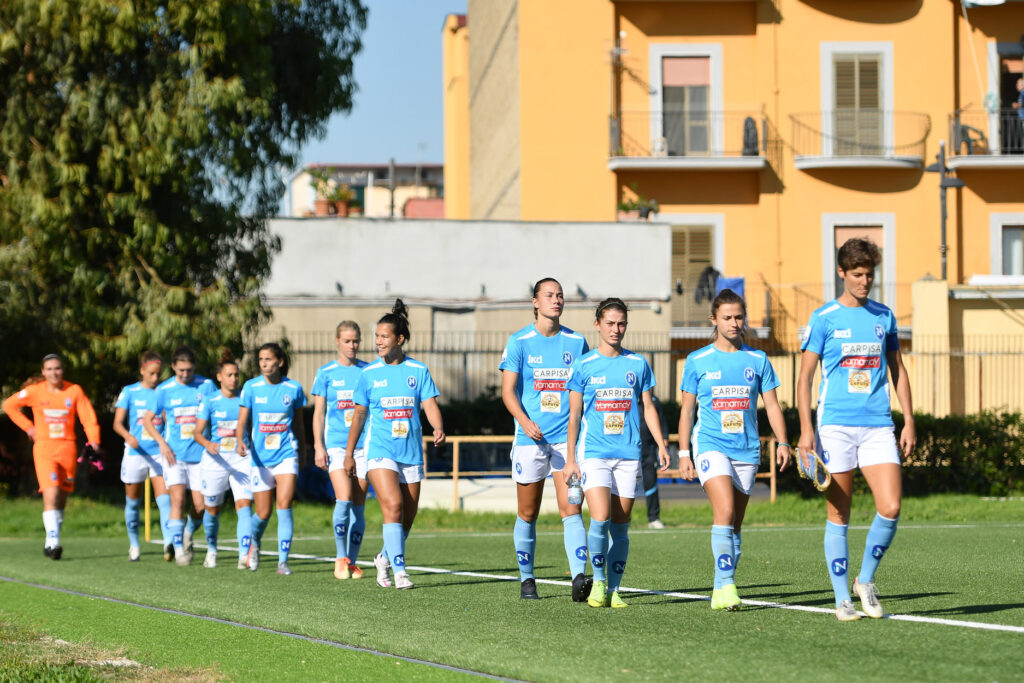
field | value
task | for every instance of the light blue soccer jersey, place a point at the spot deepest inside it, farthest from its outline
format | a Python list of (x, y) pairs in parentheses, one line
[(179, 404), (612, 391), (727, 384), (136, 400), (392, 395), (337, 384), (221, 416), (542, 364), (272, 408), (852, 343)]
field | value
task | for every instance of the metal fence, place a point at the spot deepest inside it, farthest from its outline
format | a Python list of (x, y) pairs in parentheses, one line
[(860, 132), (976, 131)]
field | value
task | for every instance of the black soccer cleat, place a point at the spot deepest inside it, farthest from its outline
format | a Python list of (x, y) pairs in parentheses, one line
[(528, 590), (53, 553), (169, 553), (581, 586)]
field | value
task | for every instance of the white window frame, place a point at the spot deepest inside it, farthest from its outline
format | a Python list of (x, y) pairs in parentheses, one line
[(713, 51), (831, 221), (829, 49), (996, 222)]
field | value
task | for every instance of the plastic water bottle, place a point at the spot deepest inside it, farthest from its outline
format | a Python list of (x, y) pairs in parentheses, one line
[(575, 490)]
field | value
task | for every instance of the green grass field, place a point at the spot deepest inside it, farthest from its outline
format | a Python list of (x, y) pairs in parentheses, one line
[(955, 565)]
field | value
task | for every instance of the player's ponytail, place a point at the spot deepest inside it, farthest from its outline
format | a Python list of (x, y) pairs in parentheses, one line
[(226, 358), (398, 318)]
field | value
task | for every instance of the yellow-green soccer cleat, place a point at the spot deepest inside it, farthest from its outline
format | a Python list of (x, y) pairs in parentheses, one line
[(598, 595), (615, 601), (725, 598)]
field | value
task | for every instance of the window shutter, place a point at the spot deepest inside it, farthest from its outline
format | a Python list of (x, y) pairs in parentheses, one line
[(691, 253)]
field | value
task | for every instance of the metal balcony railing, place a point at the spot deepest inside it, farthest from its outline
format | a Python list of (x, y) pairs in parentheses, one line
[(689, 133), (979, 132), (860, 133)]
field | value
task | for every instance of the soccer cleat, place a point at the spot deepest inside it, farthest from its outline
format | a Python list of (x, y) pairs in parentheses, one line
[(134, 553), (846, 612), (615, 601), (168, 553), (283, 569), (341, 571), (243, 561), (402, 580), (184, 559), (210, 561), (726, 598), (868, 599), (51, 552), (581, 586), (253, 560), (186, 539), (598, 595), (56, 552), (656, 524), (528, 590), (355, 571), (383, 570)]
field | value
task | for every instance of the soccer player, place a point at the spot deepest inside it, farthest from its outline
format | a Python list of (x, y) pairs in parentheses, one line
[(725, 378), (141, 452), (222, 467), (855, 339), (54, 404), (333, 409), (177, 403), (608, 389), (392, 390), (534, 370), (278, 443)]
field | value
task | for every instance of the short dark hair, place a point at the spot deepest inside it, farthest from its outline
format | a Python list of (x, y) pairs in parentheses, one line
[(858, 252), (183, 353), (610, 303)]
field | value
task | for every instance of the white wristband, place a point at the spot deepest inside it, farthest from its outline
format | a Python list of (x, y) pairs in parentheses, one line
[(684, 454)]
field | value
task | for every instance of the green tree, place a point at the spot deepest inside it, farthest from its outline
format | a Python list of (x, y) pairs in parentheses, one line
[(143, 146)]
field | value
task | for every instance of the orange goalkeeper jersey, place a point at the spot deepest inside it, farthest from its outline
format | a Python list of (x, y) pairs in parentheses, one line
[(54, 412)]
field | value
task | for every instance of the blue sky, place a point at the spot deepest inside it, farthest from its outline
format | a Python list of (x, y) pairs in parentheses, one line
[(398, 107)]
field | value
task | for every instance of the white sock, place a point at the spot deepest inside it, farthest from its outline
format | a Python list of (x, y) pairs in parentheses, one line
[(51, 522)]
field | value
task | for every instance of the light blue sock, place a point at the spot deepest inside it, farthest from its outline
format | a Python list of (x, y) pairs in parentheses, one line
[(384, 548), (617, 554), (524, 537), (163, 503), (243, 530), (722, 549), (597, 543), (341, 510), (176, 527), (194, 523), (575, 536), (356, 529), (737, 549), (879, 538), (131, 519), (837, 558), (394, 542), (284, 533), (259, 525), (211, 526)]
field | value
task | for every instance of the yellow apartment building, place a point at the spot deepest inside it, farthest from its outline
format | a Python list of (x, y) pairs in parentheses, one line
[(767, 131)]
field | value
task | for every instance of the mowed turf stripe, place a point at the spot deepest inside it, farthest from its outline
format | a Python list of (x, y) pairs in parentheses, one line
[(262, 629)]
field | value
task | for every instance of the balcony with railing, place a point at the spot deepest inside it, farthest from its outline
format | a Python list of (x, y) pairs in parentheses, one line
[(859, 138), (690, 140), (986, 140)]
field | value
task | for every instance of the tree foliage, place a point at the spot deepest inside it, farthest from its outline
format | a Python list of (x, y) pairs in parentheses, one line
[(143, 144)]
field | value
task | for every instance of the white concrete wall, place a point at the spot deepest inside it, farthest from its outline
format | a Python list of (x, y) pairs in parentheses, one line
[(468, 260)]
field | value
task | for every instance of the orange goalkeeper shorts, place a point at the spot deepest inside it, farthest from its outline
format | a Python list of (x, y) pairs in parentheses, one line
[(56, 463)]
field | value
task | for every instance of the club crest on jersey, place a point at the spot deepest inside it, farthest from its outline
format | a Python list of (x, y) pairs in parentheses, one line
[(619, 567), (597, 560), (567, 358), (581, 553), (879, 331), (411, 381), (748, 374), (839, 566), (199, 397), (878, 551), (724, 561), (630, 378), (286, 400), (67, 403), (523, 557)]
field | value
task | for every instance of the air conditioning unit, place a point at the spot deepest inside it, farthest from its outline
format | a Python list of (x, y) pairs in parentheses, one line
[(659, 147)]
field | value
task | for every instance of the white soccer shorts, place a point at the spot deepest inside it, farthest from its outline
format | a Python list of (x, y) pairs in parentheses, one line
[(407, 474), (336, 460), (617, 474), (533, 462), (712, 464), (135, 468), (845, 448), (222, 471), (184, 473), (262, 478)]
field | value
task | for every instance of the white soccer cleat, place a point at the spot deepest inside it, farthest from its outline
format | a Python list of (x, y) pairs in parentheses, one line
[(656, 524), (846, 612), (186, 538), (134, 553), (254, 557), (402, 580), (383, 570), (184, 559), (211, 559), (868, 599), (243, 561)]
